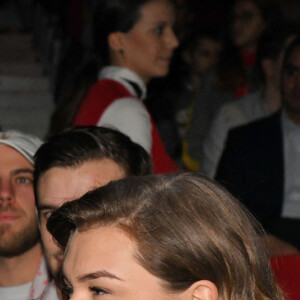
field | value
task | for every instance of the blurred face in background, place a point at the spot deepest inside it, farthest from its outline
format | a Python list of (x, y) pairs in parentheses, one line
[(291, 85), (248, 24), (204, 56), (277, 64)]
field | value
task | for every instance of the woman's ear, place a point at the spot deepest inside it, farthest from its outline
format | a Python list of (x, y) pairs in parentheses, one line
[(115, 41), (203, 290)]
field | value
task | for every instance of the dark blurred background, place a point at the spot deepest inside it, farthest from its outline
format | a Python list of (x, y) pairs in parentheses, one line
[(40, 40)]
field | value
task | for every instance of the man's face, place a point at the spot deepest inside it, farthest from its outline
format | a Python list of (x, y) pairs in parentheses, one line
[(18, 224), (291, 84), (61, 184), (205, 55)]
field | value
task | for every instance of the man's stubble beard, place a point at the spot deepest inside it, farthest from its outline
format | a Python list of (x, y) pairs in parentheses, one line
[(14, 243)]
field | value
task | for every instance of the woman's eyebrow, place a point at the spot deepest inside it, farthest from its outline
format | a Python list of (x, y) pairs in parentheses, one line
[(97, 274)]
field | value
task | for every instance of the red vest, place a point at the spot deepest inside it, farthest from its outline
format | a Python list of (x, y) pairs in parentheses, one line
[(101, 95)]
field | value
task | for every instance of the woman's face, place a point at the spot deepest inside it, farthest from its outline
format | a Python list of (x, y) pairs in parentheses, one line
[(248, 24), (99, 264), (148, 47)]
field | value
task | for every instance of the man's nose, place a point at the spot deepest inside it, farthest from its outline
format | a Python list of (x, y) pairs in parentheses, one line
[(6, 191)]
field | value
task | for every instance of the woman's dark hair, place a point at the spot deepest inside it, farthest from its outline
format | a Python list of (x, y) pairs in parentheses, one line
[(109, 16), (186, 228), (113, 16)]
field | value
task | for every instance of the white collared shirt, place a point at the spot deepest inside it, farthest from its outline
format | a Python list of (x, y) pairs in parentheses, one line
[(291, 150)]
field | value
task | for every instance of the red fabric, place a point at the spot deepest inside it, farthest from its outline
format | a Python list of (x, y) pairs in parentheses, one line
[(248, 58), (100, 96), (287, 273), (241, 91)]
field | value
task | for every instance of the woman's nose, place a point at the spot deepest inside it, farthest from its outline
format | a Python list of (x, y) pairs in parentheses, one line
[(172, 40)]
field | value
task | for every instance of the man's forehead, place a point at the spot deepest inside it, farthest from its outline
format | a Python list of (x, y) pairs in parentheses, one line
[(53, 202), (10, 157), (61, 184)]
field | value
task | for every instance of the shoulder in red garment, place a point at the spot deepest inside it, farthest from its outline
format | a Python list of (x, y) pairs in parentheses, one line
[(100, 96), (162, 162)]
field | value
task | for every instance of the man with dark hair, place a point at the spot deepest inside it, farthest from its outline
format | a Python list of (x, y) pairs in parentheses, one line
[(23, 272), (256, 105), (71, 163), (260, 164)]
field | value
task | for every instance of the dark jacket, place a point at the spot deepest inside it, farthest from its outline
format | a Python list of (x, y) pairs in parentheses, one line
[(251, 167)]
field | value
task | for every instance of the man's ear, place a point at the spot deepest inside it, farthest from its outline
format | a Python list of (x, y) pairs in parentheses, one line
[(115, 41), (203, 290)]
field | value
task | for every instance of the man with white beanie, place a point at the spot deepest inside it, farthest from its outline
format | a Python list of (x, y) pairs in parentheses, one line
[(23, 272)]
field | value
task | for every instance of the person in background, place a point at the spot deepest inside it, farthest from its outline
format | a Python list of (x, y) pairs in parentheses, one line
[(200, 52), (195, 57), (71, 163), (255, 105), (249, 20), (235, 76), (260, 163), (162, 237), (23, 272), (134, 42)]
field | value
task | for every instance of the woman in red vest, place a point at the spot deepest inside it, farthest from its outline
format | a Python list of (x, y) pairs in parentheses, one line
[(134, 42)]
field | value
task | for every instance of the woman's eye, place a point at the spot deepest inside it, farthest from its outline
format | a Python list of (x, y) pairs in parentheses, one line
[(159, 30), (98, 291), (67, 291)]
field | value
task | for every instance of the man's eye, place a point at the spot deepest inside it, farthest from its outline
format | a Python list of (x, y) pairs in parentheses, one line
[(24, 180), (46, 214), (98, 291)]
